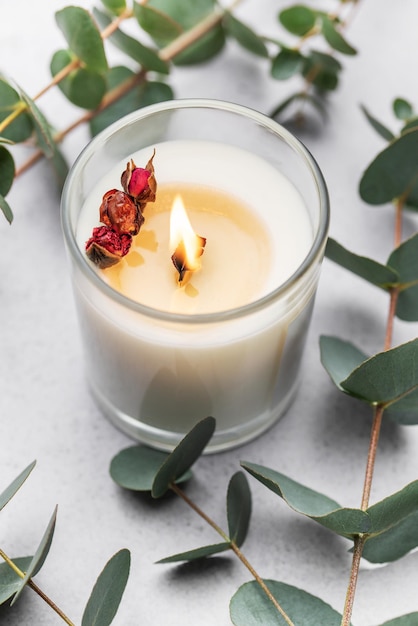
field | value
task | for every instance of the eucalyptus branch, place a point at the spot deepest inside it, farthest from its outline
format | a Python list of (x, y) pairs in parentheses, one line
[(167, 53), (374, 439), (234, 548), (35, 588)]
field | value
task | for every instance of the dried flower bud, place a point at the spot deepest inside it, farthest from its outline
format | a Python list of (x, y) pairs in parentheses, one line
[(119, 212), (106, 247), (140, 182)]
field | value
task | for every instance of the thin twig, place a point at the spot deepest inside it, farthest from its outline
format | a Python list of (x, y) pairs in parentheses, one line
[(36, 589), (234, 548)]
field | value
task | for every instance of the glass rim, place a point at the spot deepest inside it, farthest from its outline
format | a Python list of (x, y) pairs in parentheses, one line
[(94, 144)]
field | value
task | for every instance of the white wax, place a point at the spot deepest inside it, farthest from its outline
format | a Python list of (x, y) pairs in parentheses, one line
[(156, 377), (235, 269)]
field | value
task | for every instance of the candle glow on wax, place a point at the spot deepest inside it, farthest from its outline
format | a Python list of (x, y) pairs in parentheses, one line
[(187, 247)]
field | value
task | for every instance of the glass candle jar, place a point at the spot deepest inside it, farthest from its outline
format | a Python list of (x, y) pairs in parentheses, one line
[(160, 357)]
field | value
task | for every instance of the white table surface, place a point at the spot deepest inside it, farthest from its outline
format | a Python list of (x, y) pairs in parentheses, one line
[(47, 413)]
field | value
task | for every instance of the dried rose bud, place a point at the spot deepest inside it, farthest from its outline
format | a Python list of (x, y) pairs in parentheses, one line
[(106, 247), (140, 182), (119, 211)]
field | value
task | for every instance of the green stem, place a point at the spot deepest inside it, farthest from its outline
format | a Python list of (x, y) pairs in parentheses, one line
[(36, 589), (234, 548)]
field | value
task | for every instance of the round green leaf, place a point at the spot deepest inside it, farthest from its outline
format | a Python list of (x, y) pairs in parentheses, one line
[(393, 173), (83, 37), (160, 26), (250, 606), (197, 553), (245, 36), (183, 456), (107, 593), (405, 410), (286, 64), (402, 109), (405, 260), (115, 6), (136, 467), (7, 171), (387, 376), (206, 48), (83, 87), (140, 96), (22, 127), (298, 19), (322, 70)]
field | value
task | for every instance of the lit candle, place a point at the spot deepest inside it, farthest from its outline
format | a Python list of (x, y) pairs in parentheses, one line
[(162, 354)]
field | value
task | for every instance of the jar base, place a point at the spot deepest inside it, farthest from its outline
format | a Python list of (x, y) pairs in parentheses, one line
[(221, 441)]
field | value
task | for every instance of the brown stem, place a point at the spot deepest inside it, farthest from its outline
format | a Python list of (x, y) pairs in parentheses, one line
[(36, 589), (234, 548), (374, 438)]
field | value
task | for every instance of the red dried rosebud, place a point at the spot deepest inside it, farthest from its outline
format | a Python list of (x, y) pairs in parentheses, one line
[(119, 211), (106, 247), (140, 182)]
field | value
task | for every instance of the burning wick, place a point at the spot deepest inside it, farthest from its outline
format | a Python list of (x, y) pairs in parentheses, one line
[(187, 246)]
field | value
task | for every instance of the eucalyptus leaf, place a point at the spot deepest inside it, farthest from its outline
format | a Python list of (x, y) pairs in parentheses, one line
[(135, 468), (6, 209), (250, 606), (402, 109), (9, 580), (411, 619), (378, 126), (322, 70), (393, 544), (83, 87), (22, 127), (386, 377), (405, 410), (245, 36), (298, 19), (238, 508), (286, 64), (384, 276), (393, 173), (410, 125), (7, 171), (184, 455), (158, 24), (394, 509), (107, 593), (146, 57), (42, 129), (339, 358), (207, 47), (140, 96), (404, 259), (39, 557), (334, 37), (197, 553), (327, 512), (83, 37), (115, 6), (11, 490)]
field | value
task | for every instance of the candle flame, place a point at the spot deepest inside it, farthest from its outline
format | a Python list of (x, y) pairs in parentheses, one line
[(187, 246)]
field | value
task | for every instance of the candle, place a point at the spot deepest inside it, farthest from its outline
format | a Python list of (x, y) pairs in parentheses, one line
[(162, 355)]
